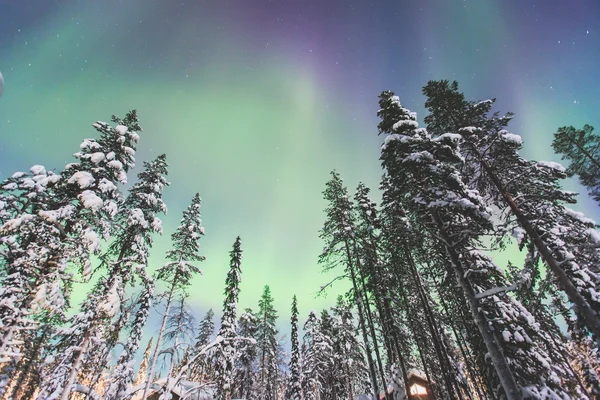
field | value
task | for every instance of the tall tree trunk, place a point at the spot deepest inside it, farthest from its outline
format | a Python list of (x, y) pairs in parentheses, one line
[(75, 368), (28, 364), (431, 324), (159, 340), (371, 325), (591, 319), (413, 328), (507, 380), (461, 345), (361, 320)]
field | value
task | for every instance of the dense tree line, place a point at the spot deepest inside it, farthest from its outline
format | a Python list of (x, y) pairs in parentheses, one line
[(426, 298)]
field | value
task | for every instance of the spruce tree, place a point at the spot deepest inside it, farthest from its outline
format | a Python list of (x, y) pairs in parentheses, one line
[(582, 148), (267, 344), (340, 248), (294, 385), (179, 332), (127, 254), (317, 356), (59, 225), (123, 374), (531, 190), (225, 353), (426, 173), (245, 374), (180, 269), (348, 351), (201, 368)]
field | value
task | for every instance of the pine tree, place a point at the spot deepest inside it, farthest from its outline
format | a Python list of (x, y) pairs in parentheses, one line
[(294, 386), (531, 190), (317, 355), (201, 368), (267, 344), (348, 351), (245, 378), (129, 251), (179, 271), (225, 353), (60, 225), (425, 171), (340, 248), (582, 148), (179, 331)]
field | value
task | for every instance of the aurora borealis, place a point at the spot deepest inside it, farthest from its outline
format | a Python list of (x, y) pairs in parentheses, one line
[(255, 101)]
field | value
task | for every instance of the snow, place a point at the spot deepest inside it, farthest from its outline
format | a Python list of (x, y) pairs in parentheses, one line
[(519, 338), (92, 240), (121, 129), (111, 302), (450, 136), (89, 143), (551, 165), (405, 123), (115, 164), (90, 200), (17, 175), (594, 236), (506, 335), (511, 138), (579, 216), (106, 186), (494, 291), (82, 178), (97, 157), (38, 170), (15, 223)]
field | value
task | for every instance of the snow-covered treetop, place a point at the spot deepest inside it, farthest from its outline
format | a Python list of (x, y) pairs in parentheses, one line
[(186, 247)]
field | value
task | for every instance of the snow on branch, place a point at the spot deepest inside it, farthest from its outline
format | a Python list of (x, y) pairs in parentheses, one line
[(495, 291)]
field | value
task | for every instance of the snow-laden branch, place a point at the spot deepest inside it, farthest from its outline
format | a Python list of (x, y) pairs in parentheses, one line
[(171, 383), (495, 291)]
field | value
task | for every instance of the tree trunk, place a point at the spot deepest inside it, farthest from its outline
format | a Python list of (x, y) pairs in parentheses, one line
[(361, 320), (75, 368), (507, 380), (371, 325), (159, 340), (460, 341), (431, 324), (590, 317)]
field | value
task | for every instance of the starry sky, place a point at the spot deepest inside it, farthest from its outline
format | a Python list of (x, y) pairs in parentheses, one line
[(255, 101)]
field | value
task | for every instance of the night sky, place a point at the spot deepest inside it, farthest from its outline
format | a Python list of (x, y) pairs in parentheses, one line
[(255, 101)]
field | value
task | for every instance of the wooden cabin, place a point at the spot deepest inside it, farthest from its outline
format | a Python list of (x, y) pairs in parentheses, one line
[(418, 386)]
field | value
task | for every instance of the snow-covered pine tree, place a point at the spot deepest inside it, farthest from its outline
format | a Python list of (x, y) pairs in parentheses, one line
[(531, 190), (266, 345), (294, 390), (225, 351), (137, 221), (201, 368), (426, 173), (352, 370), (245, 374), (582, 148), (180, 269), (60, 225), (179, 333), (338, 235), (122, 376), (317, 358)]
